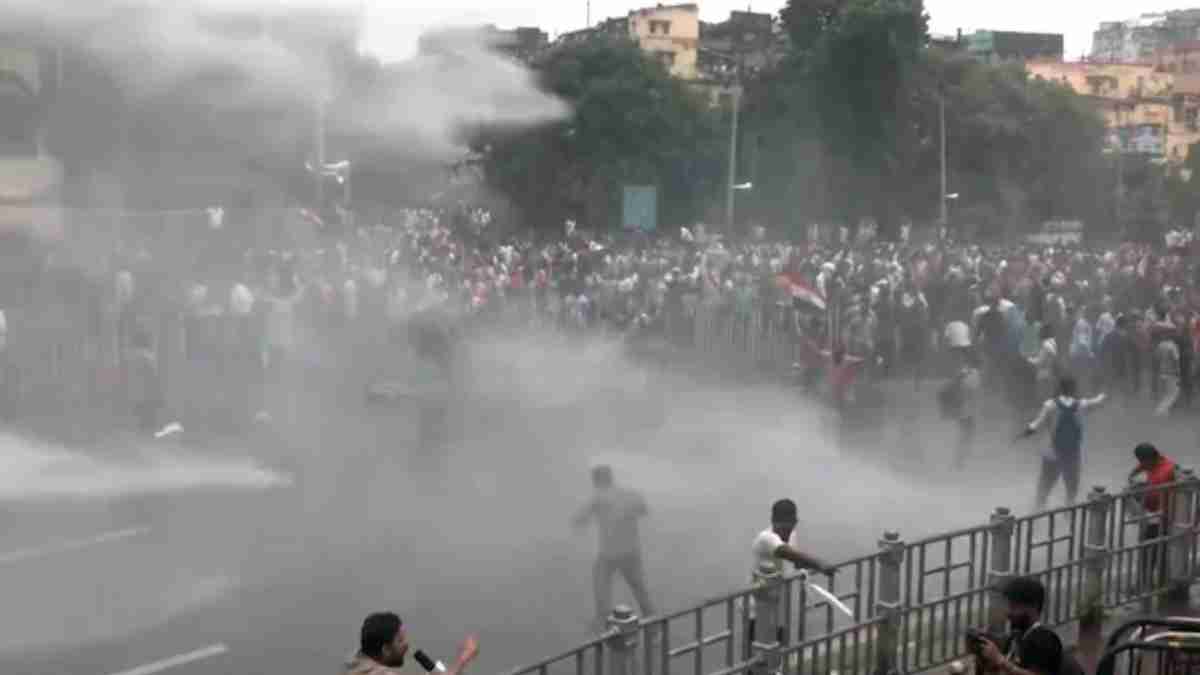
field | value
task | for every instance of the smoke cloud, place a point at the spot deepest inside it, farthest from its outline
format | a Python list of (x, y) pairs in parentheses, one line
[(158, 47)]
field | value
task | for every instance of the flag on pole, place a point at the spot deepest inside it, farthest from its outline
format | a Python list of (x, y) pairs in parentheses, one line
[(802, 294)]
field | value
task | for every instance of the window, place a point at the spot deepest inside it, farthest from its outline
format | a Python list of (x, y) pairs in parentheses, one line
[(663, 27), (1191, 118)]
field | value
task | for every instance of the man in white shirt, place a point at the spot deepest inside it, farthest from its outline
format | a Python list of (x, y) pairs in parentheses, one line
[(780, 543), (616, 511)]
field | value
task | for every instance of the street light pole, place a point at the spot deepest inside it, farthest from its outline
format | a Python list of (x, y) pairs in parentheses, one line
[(733, 137), (1120, 172), (942, 133), (319, 151)]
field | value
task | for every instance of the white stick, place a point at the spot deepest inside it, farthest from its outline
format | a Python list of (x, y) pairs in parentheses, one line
[(833, 599), (176, 661)]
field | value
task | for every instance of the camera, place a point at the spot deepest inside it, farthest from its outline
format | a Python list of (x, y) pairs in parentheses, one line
[(975, 638)]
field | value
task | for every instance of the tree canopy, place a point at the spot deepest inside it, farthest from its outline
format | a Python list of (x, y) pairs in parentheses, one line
[(632, 125)]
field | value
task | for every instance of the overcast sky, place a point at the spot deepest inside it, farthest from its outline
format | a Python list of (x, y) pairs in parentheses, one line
[(395, 23)]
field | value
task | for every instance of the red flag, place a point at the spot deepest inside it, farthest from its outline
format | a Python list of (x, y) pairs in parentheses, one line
[(800, 291)]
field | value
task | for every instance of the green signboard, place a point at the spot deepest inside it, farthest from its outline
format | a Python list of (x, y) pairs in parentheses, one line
[(640, 210)]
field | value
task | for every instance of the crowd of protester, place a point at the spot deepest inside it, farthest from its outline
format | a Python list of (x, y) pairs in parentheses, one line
[(1125, 319)]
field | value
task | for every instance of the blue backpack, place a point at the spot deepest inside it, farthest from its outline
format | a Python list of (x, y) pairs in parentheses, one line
[(1068, 432)]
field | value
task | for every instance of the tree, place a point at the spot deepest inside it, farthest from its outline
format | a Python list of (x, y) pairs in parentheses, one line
[(853, 138), (632, 124), (1183, 197), (856, 59)]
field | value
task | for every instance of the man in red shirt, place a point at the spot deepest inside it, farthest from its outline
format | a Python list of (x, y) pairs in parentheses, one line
[(1160, 471)]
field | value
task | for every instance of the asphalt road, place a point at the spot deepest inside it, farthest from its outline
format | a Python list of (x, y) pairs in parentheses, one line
[(217, 579)]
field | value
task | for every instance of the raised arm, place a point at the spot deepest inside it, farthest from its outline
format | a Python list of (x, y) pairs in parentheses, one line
[(1089, 403), (584, 515), (1043, 415)]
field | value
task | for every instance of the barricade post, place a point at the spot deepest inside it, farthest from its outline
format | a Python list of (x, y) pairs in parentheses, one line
[(1095, 554), (622, 641), (767, 594), (1181, 522), (891, 559), (1003, 526)]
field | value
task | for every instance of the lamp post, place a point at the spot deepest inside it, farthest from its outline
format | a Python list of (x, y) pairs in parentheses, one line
[(736, 81), (339, 171), (733, 135), (942, 134), (946, 199)]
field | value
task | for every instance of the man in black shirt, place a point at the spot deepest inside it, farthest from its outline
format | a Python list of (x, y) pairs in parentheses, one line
[(1032, 649)]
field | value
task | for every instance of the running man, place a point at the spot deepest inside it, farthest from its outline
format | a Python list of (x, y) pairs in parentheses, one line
[(1065, 455), (616, 511)]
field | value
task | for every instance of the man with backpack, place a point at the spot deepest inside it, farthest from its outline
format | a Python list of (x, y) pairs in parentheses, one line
[(1065, 454)]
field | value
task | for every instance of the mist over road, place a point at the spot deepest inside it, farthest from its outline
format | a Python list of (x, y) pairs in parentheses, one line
[(478, 539)]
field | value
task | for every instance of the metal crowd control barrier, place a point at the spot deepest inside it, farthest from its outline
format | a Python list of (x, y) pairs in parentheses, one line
[(1153, 647), (913, 601)]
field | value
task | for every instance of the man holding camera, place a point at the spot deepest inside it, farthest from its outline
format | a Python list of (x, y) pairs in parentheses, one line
[(1031, 648)]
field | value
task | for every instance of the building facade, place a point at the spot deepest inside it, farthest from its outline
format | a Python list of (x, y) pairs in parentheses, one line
[(1145, 111), (524, 43), (669, 34), (750, 39), (996, 47), (1140, 38), (30, 177)]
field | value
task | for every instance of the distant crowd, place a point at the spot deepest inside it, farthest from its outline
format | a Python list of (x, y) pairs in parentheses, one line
[(1126, 319)]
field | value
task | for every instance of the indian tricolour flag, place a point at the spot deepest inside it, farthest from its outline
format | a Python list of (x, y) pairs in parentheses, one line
[(802, 294)]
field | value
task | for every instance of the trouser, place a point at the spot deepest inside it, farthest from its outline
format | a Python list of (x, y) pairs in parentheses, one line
[(630, 567), (1152, 554), (432, 425), (966, 439), (1168, 390), (1065, 465)]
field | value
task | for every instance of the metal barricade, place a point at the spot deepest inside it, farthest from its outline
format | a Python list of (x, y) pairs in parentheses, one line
[(1169, 646), (913, 602)]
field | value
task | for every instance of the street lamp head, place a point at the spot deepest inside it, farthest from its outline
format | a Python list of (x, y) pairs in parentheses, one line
[(744, 186), (952, 196)]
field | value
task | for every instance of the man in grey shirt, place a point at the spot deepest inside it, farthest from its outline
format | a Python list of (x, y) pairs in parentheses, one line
[(616, 511)]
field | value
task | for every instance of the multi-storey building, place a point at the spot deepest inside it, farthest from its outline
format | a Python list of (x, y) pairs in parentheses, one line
[(1140, 38), (670, 34), (749, 40), (524, 43), (1145, 109), (30, 178), (996, 47)]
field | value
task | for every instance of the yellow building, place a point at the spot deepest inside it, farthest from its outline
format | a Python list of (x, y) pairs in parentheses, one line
[(1147, 111), (671, 34)]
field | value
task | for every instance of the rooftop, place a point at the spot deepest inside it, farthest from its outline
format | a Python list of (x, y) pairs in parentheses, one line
[(685, 6)]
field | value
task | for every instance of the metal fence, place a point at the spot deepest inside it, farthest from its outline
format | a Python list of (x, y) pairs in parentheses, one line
[(913, 601), (1168, 646)]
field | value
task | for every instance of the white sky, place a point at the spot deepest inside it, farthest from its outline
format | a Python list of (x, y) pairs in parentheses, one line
[(395, 24)]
